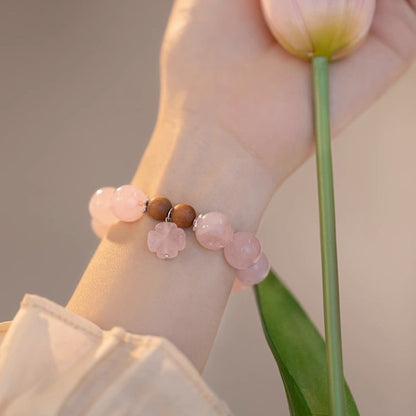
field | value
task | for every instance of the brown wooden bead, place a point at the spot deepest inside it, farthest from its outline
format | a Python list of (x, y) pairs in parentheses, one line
[(183, 215), (158, 207)]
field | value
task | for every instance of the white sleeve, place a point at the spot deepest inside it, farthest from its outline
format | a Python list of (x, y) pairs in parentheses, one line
[(55, 362)]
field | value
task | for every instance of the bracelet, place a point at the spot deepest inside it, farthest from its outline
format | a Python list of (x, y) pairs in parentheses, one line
[(128, 203)]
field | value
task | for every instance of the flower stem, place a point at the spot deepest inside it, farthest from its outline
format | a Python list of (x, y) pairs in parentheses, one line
[(328, 237)]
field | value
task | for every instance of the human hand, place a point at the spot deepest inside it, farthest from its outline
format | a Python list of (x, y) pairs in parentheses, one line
[(221, 65), (235, 119)]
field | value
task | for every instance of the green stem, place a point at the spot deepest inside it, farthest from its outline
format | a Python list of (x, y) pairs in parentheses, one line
[(328, 237)]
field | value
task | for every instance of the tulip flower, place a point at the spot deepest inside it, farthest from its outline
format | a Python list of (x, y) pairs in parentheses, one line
[(321, 31), (307, 28)]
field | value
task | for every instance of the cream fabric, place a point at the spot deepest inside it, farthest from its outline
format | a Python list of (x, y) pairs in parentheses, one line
[(54, 362)]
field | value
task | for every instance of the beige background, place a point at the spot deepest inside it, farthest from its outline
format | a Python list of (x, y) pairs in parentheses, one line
[(79, 95)]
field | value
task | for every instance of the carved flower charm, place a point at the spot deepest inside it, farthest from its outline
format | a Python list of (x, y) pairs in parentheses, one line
[(166, 240)]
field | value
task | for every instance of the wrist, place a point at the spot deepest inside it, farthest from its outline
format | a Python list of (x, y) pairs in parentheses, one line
[(197, 163)]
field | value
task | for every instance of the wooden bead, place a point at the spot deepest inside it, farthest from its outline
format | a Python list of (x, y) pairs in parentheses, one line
[(183, 215), (158, 207)]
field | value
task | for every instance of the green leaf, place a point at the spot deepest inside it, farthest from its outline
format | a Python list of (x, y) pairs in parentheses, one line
[(298, 349)]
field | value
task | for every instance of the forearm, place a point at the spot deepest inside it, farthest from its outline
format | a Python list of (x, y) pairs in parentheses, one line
[(183, 298)]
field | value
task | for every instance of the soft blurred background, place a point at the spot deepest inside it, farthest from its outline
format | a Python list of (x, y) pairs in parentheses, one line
[(79, 96)]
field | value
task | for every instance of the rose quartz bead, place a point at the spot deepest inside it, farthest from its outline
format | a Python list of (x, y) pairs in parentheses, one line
[(213, 230), (128, 203), (238, 286), (243, 250), (100, 230), (166, 240), (100, 206), (255, 273)]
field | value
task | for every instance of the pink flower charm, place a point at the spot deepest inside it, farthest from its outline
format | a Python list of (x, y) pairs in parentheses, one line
[(166, 240)]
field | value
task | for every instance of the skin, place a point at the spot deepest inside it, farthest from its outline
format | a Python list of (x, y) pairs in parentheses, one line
[(235, 120)]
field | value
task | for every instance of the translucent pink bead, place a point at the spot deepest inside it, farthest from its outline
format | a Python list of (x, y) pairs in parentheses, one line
[(238, 286), (128, 202), (255, 273), (166, 240), (100, 230), (213, 230), (100, 206), (243, 251)]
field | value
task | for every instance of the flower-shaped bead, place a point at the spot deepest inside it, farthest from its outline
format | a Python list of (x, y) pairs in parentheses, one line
[(166, 240)]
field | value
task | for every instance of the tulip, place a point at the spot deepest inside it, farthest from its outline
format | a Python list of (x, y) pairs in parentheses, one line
[(307, 28), (321, 31)]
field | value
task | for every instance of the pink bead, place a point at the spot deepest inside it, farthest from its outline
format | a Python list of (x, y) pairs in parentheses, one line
[(100, 206), (243, 251), (256, 273), (238, 286), (100, 230), (213, 230), (166, 240), (128, 203)]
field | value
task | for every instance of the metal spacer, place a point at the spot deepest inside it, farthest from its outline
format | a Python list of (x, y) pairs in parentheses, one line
[(146, 203), (168, 218), (195, 222)]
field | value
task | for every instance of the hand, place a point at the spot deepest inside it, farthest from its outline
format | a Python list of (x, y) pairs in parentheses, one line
[(235, 120), (220, 64)]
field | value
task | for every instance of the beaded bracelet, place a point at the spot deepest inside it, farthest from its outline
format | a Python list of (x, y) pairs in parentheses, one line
[(128, 203)]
